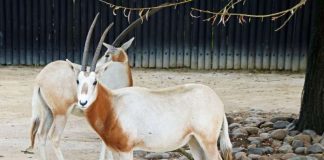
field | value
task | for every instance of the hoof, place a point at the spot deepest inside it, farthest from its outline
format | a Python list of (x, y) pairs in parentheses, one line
[(29, 150)]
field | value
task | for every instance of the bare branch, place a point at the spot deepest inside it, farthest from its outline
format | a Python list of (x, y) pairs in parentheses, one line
[(145, 8), (142, 10), (225, 13)]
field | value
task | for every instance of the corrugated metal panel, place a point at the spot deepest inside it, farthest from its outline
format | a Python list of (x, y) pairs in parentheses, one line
[(37, 32), (2, 33)]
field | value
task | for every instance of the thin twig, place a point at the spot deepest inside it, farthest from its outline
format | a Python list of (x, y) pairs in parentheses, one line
[(145, 8), (224, 13), (141, 11), (297, 6)]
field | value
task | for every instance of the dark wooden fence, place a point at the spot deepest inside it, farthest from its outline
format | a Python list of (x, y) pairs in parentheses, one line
[(36, 32)]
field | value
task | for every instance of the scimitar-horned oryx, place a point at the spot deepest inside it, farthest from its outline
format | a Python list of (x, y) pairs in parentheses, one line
[(54, 94), (160, 120)]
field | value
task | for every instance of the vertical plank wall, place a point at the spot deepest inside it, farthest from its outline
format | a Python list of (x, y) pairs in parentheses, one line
[(37, 32)]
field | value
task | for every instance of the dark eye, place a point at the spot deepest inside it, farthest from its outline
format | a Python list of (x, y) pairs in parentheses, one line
[(95, 82), (77, 81), (107, 55)]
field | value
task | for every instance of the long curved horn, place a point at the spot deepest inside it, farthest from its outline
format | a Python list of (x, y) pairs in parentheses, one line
[(87, 44), (137, 22), (98, 49)]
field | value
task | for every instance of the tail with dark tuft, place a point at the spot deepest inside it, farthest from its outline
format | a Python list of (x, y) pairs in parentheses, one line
[(35, 120), (33, 131), (225, 142)]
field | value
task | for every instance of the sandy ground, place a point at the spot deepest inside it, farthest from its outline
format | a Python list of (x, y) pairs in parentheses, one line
[(240, 91)]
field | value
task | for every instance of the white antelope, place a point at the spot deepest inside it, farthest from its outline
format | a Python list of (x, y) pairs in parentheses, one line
[(54, 96), (161, 120)]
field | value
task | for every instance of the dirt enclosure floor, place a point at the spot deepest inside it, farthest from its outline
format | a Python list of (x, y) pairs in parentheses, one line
[(240, 91)]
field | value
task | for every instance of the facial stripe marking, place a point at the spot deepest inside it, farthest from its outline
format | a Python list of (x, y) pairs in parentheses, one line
[(84, 89)]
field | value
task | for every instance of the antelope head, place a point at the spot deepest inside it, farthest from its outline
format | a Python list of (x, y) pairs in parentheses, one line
[(116, 54), (87, 81)]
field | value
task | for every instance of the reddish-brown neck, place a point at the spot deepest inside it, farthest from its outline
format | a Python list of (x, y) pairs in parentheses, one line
[(130, 77), (120, 57), (123, 58), (102, 117)]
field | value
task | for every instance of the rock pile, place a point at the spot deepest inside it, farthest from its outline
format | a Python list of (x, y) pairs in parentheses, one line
[(257, 135), (260, 137)]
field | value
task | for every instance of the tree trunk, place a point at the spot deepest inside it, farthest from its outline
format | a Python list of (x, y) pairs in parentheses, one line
[(312, 105)]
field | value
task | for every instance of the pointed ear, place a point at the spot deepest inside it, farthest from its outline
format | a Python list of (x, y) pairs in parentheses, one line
[(126, 45), (76, 68), (110, 49), (108, 46), (103, 68)]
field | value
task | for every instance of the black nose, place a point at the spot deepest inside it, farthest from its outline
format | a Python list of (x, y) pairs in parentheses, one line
[(83, 103)]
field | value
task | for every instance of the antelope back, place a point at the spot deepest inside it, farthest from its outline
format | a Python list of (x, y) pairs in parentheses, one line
[(58, 96)]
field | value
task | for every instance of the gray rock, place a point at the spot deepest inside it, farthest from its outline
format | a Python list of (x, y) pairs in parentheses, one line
[(318, 156), (309, 132), (235, 144), (157, 156), (254, 120), (254, 139), (297, 143), (264, 158), (265, 130), (234, 125), (239, 133), (250, 125), (288, 155), (252, 130), (264, 136), (293, 133), (238, 119), (244, 158), (316, 139), (139, 153), (289, 139), (304, 138), (275, 119), (251, 146), (280, 124), (240, 155), (257, 143), (275, 156), (291, 125), (258, 151), (276, 143), (279, 134), (286, 148), (230, 120), (315, 148), (254, 156), (267, 125), (311, 158), (300, 150), (322, 142), (268, 150), (238, 149), (302, 158)]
